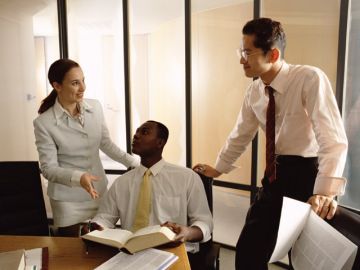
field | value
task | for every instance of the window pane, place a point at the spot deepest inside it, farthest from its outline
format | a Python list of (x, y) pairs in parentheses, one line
[(218, 89), (218, 81), (29, 41), (312, 29), (157, 37), (352, 110), (96, 43)]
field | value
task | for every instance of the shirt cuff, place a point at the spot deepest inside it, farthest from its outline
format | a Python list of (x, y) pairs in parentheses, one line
[(135, 163), (75, 178), (223, 167), (331, 186), (192, 247), (205, 230)]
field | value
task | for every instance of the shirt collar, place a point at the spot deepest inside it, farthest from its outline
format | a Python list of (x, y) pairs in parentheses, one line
[(60, 111), (155, 169), (279, 82)]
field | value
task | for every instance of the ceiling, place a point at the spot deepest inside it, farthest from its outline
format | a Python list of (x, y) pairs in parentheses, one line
[(145, 15)]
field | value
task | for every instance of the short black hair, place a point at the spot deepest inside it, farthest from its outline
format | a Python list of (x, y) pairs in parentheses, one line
[(162, 130), (268, 33)]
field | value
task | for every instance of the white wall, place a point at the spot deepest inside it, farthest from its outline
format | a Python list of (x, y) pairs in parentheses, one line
[(18, 103)]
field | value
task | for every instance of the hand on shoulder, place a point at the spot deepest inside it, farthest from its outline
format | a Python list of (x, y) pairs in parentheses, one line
[(206, 170)]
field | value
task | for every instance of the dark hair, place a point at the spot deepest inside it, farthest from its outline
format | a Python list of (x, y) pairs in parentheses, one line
[(162, 130), (268, 34), (57, 72)]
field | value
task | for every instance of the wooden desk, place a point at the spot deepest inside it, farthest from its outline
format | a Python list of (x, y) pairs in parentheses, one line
[(70, 253)]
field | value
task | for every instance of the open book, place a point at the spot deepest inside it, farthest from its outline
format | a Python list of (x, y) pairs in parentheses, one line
[(144, 238), (150, 259), (315, 244)]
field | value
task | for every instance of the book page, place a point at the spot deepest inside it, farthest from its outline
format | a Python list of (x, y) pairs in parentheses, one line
[(150, 259), (155, 229), (112, 237), (293, 217), (320, 246), (148, 237)]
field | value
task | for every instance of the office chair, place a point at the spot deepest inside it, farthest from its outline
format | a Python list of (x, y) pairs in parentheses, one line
[(348, 223), (22, 207), (208, 257)]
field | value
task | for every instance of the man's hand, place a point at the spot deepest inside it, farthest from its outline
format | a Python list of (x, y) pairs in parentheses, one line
[(184, 233), (91, 226), (86, 182), (324, 206), (206, 170)]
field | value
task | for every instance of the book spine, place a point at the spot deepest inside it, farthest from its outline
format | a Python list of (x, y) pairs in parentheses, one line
[(45, 258)]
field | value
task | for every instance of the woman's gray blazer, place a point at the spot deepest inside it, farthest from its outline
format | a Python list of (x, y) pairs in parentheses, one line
[(66, 150)]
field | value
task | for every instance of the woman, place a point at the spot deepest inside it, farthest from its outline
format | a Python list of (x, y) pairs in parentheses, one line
[(69, 132)]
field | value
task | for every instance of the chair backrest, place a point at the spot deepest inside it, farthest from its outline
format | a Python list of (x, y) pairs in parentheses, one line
[(208, 185), (348, 223), (22, 207)]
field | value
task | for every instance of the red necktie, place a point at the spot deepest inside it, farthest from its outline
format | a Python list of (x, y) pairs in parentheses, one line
[(270, 170)]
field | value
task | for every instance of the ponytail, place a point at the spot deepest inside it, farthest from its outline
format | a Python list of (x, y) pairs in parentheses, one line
[(48, 102), (57, 72)]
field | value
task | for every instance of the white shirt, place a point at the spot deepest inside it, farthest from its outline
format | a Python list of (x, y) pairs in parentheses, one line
[(178, 196), (308, 124)]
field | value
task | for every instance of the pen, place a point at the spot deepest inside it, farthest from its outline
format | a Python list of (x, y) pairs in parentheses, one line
[(89, 230), (89, 226)]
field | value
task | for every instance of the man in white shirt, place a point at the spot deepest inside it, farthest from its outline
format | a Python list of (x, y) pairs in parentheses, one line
[(310, 142), (178, 195)]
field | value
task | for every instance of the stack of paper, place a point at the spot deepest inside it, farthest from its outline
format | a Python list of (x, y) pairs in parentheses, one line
[(150, 259), (33, 259), (14, 260), (315, 244)]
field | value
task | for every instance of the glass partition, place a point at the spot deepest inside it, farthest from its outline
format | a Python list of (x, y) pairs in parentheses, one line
[(218, 89), (157, 67), (95, 34), (352, 110), (218, 81)]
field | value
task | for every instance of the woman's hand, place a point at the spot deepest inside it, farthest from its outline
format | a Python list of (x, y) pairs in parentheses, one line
[(86, 182)]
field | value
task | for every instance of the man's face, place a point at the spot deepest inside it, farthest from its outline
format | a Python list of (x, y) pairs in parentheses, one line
[(145, 141), (256, 63)]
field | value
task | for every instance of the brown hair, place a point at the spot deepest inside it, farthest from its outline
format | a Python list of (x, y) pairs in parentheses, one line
[(57, 72)]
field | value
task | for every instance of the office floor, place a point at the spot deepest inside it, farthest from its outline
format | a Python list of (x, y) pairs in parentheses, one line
[(230, 208), (227, 260)]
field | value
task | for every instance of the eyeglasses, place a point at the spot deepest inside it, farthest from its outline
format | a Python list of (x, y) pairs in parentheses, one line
[(241, 53)]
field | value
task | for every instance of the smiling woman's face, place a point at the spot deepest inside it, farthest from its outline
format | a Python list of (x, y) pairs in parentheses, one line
[(72, 88)]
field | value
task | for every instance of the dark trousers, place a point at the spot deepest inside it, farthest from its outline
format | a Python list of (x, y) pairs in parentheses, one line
[(295, 178), (204, 259)]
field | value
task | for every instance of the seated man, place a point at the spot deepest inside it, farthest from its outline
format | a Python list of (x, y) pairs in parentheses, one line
[(176, 197)]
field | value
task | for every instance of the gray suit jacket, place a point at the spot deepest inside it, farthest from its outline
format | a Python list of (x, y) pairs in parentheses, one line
[(66, 150)]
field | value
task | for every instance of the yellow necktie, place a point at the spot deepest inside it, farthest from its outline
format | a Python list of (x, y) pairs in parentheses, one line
[(144, 203)]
